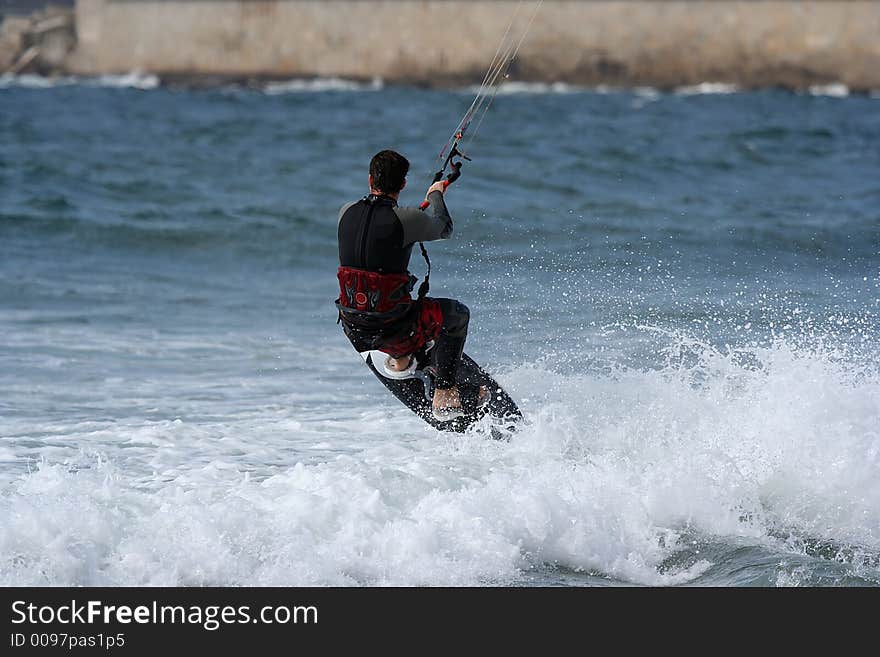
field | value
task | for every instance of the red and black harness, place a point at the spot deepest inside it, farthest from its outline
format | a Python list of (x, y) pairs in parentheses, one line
[(377, 310)]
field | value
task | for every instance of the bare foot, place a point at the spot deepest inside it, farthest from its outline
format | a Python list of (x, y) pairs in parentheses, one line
[(446, 398), (449, 398), (398, 364)]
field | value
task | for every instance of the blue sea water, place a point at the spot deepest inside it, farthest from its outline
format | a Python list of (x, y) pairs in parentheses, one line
[(681, 290)]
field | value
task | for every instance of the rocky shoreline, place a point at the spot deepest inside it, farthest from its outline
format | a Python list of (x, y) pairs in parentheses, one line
[(664, 45), (39, 43)]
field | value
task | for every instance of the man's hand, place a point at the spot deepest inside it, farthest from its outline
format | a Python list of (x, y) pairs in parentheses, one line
[(439, 186)]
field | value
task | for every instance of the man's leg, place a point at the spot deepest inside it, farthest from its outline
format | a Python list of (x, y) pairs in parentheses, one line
[(448, 348), (449, 344)]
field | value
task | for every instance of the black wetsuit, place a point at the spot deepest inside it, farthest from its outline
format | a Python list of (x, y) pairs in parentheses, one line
[(376, 234)]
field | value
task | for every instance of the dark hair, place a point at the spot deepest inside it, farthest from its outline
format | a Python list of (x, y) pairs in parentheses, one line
[(388, 169)]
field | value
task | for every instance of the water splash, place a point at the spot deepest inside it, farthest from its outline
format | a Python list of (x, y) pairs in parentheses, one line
[(629, 476)]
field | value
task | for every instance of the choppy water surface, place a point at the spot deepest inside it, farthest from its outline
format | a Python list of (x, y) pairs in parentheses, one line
[(680, 289)]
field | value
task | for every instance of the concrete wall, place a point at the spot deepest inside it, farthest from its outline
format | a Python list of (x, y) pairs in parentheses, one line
[(655, 42)]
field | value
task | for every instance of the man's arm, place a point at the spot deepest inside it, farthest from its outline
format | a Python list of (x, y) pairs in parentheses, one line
[(426, 225)]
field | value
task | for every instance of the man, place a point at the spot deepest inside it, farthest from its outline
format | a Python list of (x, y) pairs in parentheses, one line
[(376, 238)]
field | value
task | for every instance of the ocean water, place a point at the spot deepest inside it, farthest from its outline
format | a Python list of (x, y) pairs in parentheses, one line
[(681, 290)]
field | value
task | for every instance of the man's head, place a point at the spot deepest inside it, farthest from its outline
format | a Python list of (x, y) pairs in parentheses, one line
[(388, 171)]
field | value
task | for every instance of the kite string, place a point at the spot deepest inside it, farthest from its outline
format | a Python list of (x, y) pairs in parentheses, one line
[(507, 49), (489, 79), (476, 129)]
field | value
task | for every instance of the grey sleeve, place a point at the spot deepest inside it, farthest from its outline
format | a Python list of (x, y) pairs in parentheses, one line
[(426, 225)]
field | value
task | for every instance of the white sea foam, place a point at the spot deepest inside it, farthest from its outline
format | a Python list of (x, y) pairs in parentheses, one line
[(133, 80), (565, 88), (322, 84), (137, 80), (538, 88), (8, 80), (649, 93), (837, 90), (613, 474), (707, 88), (644, 96)]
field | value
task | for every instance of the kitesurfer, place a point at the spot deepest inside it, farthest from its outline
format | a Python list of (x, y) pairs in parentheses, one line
[(376, 309)]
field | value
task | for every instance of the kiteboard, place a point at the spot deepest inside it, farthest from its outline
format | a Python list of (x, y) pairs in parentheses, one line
[(415, 388)]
